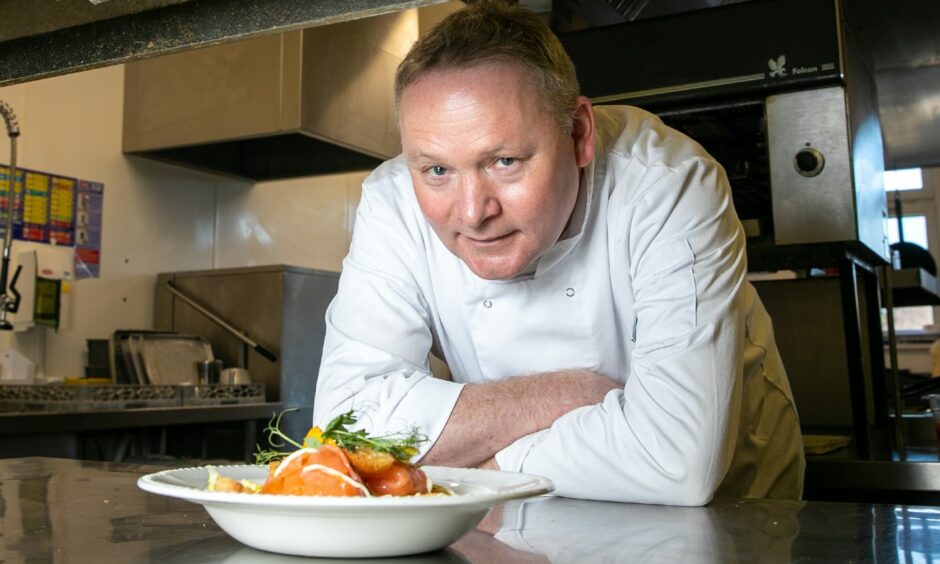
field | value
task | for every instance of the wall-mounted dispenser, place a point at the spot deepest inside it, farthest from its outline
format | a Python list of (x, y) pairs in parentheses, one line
[(45, 288)]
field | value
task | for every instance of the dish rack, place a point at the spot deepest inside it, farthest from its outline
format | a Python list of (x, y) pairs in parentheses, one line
[(221, 394), (67, 398)]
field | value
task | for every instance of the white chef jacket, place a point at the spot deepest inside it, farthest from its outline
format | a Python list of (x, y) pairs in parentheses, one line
[(652, 293)]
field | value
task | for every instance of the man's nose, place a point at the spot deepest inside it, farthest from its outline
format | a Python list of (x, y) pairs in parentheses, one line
[(477, 200)]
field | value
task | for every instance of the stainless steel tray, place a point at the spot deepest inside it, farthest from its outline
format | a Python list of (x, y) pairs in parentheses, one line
[(171, 359)]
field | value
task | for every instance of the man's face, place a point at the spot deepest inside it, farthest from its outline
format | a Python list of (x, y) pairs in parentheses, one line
[(493, 172)]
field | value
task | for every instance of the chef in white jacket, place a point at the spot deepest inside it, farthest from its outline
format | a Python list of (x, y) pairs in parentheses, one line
[(581, 271)]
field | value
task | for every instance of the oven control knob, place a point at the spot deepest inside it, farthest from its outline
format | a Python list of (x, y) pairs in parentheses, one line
[(809, 162)]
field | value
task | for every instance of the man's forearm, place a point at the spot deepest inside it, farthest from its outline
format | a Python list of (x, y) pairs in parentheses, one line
[(489, 417)]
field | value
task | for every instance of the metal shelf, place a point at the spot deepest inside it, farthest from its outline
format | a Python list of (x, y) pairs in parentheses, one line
[(914, 287)]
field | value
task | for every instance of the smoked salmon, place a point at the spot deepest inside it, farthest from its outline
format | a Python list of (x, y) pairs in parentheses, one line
[(322, 471)]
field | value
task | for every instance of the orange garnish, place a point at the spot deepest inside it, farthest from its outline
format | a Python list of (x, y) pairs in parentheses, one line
[(369, 462)]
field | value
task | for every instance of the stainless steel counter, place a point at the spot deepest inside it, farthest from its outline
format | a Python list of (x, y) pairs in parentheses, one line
[(54, 510)]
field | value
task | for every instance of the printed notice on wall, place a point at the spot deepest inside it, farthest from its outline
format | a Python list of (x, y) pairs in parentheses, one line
[(88, 229), (57, 210)]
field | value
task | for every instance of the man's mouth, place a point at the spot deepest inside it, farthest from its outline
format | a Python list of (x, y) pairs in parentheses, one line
[(486, 241)]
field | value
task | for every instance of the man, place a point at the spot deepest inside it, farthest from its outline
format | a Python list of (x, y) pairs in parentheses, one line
[(581, 271)]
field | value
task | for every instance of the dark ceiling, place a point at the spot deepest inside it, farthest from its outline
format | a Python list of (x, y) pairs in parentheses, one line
[(40, 38), (44, 38), (22, 18), (900, 33)]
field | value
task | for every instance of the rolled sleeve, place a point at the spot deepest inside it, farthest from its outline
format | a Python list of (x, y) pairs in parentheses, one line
[(428, 407)]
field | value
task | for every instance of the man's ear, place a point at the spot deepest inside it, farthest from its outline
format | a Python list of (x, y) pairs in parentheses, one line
[(582, 131)]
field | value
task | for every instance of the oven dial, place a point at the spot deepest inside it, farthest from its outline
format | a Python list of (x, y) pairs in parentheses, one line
[(809, 162)]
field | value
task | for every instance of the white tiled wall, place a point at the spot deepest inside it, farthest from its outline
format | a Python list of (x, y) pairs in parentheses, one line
[(303, 222)]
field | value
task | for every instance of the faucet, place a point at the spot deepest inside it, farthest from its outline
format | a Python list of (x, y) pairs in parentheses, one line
[(9, 297)]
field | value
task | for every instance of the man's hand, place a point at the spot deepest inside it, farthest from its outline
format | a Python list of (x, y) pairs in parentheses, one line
[(489, 417)]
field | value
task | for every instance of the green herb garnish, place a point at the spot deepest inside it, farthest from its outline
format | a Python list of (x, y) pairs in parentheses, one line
[(402, 446), (276, 439)]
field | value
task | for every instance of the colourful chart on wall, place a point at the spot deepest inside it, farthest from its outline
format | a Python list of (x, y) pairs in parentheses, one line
[(57, 210)]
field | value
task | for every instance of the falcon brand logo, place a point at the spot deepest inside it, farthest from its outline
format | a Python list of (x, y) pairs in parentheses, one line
[(778, 67), (805, 70)]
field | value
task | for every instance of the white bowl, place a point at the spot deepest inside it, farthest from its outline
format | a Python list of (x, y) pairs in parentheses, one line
[(345, 527)]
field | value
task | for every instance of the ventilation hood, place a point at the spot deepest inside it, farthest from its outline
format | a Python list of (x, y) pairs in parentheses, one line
[(299, 103)]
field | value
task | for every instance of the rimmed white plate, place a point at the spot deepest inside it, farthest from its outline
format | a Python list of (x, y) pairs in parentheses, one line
[(348, 527)]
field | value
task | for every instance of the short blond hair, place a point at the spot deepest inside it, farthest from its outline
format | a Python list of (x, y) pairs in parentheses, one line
[(492, 31)]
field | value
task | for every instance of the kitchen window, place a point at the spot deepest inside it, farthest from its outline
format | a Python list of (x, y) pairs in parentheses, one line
[(904, 179), (915, 188)]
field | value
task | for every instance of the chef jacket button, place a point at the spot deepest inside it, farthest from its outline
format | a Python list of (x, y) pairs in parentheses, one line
[(487, 303), (569, 292)]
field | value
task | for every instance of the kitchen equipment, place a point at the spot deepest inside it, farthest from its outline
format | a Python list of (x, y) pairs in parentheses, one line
[(234, 331), (123, 367), (235, 377), (934, 400), (132, 356), (311, 101), (910, 254), (83, 396), (207, 371), (218, 394), (169, 359), (46, 276), (86, 397), (280, 307), (784, 98), (98, 365), (156, 357), (918, 387)]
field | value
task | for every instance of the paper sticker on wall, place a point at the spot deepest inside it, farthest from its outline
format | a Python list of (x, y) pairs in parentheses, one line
[(57, 210), (89, 205)]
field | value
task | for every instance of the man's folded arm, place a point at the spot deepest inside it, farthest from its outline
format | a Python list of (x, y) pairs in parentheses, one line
[(490, 416)]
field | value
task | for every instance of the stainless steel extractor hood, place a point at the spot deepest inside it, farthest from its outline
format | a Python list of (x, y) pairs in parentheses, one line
[(298, 103)]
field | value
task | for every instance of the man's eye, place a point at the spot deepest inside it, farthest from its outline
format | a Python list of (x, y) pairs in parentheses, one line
[(436, 170), (506, 161)]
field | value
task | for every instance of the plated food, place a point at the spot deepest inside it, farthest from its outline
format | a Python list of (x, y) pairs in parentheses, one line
[(307, 509), (348, 527), (337, 462)]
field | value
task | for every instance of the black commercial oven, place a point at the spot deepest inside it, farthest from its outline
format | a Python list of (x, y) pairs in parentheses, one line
[(781, 93)]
